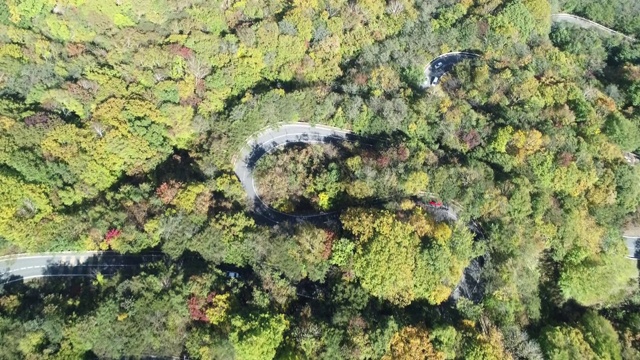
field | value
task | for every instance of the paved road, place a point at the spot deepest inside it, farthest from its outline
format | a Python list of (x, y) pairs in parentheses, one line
[(23, 267), (273, 138), (587, 24), (443, 64), (633, 246), (270, 140), (631, 158), (29, 266)]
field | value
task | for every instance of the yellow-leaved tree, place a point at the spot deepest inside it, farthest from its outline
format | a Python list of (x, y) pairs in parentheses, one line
[(412, 343), (401, 261)]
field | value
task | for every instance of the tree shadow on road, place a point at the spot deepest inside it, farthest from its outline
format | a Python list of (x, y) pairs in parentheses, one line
[(14, 276), (345, 146)]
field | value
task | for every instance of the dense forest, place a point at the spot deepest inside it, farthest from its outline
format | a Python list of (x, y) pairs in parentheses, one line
[(120, 122)]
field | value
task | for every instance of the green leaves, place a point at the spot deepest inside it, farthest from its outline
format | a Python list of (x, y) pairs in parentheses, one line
[(623, 132), (592, 338), (23, 207), (598, 280), (257, 337), (564, 343), (392, 264)]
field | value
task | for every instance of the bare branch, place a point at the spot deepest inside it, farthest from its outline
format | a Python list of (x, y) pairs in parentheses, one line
[(395, 7), (198, 69), (27, 209), (98, 129)]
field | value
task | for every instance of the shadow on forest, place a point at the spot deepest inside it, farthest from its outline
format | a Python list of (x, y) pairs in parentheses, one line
[(70, 285), (179, 166)]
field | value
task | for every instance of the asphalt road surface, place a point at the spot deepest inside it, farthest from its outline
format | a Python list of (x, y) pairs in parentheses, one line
[(270, 140), (274, 138), (587, 24), (23, 267), (633, 245), (443, 64), (64, 264)]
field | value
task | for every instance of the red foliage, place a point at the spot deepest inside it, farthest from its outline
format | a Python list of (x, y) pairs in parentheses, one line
[(111, 234), (403, 153), (472, 139), (361, 79), (383, 161), (197, 307), (167, 191), (181, 51), (75, 49), (37, 119), (192, 100), (565, 159), (328, 243)]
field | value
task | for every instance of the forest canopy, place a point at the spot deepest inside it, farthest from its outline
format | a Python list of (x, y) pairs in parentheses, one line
[(478, 218)]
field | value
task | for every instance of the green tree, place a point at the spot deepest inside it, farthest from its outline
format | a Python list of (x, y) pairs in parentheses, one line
[(257, 337), (385, 262), (601, 336), (623, 132), (600, 279), (565, 343)]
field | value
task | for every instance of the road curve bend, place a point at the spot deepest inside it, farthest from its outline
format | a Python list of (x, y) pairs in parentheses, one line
[(271, 139), (268, 141), (24, 267), (633, 246), (443, 64)]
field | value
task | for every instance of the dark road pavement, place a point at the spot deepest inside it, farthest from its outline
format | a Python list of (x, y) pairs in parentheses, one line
[(443, 64), (23, 267), (268, 141)]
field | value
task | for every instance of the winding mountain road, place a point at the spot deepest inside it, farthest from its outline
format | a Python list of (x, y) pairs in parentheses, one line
[(23, 267), (445, 62), (442, 65), (268, 141), (273, 138)]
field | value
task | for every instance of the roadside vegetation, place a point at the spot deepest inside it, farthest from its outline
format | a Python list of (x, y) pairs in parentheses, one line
[(308, 179), (119, 122)]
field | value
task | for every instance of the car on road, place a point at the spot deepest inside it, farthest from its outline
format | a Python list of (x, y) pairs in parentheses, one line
[(434, 81), (232, 274), (435, 203), (438, 65)]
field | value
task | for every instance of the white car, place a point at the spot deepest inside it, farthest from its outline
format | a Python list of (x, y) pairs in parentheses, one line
[(438, 65), (434, 81), (232, 274)]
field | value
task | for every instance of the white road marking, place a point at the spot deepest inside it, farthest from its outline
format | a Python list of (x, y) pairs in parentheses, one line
[(305, 141), (74, 267), (43, 255)]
